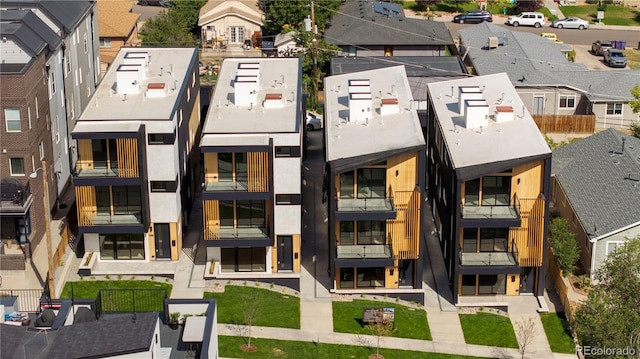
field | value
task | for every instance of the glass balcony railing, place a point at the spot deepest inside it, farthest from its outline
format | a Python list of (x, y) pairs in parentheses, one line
[(236, 233), (102, 219), (242, 186), (365, 204), (364, 251), (490, 258), (504, 210)]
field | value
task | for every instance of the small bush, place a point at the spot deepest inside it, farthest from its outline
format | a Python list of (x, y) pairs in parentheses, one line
[(583, 282), (564, 246), (635, 129)]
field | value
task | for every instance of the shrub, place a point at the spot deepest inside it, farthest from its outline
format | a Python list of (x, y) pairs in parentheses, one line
[(635, 129), (564, 246), (583, 282)]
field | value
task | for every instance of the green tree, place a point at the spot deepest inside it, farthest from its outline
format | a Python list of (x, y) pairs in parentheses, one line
[(635, 106), (176, 26), (279, 13), (564, 246), (610, 316)]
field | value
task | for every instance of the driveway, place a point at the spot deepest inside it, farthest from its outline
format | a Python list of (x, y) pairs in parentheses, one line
[(592, 62)]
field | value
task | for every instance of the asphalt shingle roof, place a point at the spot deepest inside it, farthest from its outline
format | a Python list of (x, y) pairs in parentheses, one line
[(601, 180), (357, 23), (35, 25), (67, 14), (529, 59)]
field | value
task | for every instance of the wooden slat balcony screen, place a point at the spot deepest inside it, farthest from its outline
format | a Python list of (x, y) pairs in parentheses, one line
[(565, 123), (127, 157), (211, 220), (86, 203), (529, 236), (85, 154), (405, 229), (258, 171)]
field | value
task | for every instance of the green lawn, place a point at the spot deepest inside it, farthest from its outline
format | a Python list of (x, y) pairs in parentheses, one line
[(270, 348), (557, 329), (143, 300), (488, 329), (613, 15), (274, 309), (409, 322)]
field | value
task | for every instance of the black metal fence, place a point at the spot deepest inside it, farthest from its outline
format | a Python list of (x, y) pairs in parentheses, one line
[(130, 300)]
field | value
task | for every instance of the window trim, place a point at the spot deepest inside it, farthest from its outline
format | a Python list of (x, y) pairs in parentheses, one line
[(7, 119), (568, 99), (105, 42), (12, 172), (168, 186), (606, 249), (292, 151), (294, 199), (167, 138), (613, 112)]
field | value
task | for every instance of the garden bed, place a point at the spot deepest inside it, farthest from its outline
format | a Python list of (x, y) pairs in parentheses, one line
[(88, 260)]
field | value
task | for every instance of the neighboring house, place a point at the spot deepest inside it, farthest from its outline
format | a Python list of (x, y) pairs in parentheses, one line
[(596, 187), (420, 70), (252, 146), (118, 27), (72, 76), (25, 137), (554, 90), (93, 330), (230, 22), (374, 28), (488, 172), (375, 181), (134, 178)]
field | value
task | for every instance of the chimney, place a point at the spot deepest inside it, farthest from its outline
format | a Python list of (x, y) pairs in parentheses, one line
[(476, 113), (467, 93)]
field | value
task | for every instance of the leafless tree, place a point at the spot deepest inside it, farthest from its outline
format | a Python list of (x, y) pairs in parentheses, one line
[(525, 332), (381, 327)]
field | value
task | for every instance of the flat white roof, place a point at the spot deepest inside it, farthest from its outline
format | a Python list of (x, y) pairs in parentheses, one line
[(494, 142), (211, 140), (274, 103), (107, 104), (106, 126), (380, 133)]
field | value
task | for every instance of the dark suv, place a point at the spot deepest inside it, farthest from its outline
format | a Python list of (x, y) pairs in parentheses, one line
[(473, 17)]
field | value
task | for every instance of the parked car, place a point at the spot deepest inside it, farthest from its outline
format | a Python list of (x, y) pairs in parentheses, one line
[(571, 23), (163, 3), (535, 19), (473, 17), (598, 47), (201, 68), (313, 122), (551, 36), (615, 58)]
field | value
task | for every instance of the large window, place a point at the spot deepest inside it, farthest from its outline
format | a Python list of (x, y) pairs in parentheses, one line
[(483, 284), (105, 42), (17, 166), (236, 34), (567, 101), (361, 277), (242, 214), (232, 167), (488, 191), (346, 185), (477, 240), (243, 259), (372, 182), (119, 201), (122, 246), (12, 119), (105, 154), (368, 232), (614, 109)]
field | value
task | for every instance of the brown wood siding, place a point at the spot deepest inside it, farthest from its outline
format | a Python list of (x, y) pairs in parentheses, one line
[(173, 236), (391, 276), (529, 236), (565, 123), (85, 155), (274, 257), (86, 203), (513, 286), (151, 241), (297, 249), (258, 171), (211, 220), (404, 230), (210, 167), (526, 181), (402, 172), (127, 149)]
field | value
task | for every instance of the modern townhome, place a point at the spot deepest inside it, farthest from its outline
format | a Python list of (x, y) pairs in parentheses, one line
[(376, 28), (25, 139), (562, 96), (133, 178), (252, 144), (596, 187), (117, 27), (375, 178), (72, 73), (488, 171)]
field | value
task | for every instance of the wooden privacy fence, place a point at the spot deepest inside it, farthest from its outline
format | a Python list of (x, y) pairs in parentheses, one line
[(565, 123), (562, 286)]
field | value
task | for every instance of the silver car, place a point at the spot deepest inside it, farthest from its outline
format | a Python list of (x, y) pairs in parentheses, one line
[(571, 23), (313, 122)]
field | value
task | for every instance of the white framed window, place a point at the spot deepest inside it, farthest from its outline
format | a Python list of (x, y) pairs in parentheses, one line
[(188, 94), (85, 43), (68, 65), (567, 101), (41, 148), (236, 34), (12, 119), (29, 114), (52, 83), (80, 74), (612, 246), (16, 165), (105, 42), (37, 109), (614, 109), (55, 130)]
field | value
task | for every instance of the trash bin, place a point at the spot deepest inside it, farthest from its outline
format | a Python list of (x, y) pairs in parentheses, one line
[(622, 45), (614, 44)]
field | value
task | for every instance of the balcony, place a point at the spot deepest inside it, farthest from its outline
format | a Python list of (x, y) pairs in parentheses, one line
[(91, 218), (381, 208), (490, 212), (364, 251), (15, 197), (490, 258), (234, 237)]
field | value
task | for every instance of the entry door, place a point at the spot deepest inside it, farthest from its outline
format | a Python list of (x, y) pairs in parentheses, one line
[(538, 105), (527, 280), (163, 240), (285, 253)]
